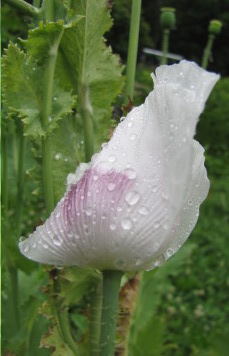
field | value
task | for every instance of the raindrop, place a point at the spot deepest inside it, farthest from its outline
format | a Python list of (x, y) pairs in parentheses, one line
[(169, 252), (132, 197), (190, 202), (130, 173), (57, 240), (34, 245), (130, 124), (132, 137), (112, 226), (119, 208), (156, 225), (89, 211), (26, 248), (22, 238), (143, 211), (111, 187), (154, 189), (112, 158), (95, 177), (159, 261), (122, 118), (45, 245), (104, 145), (126, 224), (58, 215)]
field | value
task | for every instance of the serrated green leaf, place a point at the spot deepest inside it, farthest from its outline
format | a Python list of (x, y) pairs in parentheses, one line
[(87, 64)]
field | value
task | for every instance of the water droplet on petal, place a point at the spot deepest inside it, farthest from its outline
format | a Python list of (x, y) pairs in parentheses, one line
[(156, 224), (95, 177), (159, 261), (34, 245), (22, 238), (143, 210), (132, 137), (154, 189), (131, 174), (112, 158), (126, 224), (112, 226), (26, 248), (104, 145), (132, 197), (111, 187), (57, 240), (169, 252), (130, 124), (89, 211)]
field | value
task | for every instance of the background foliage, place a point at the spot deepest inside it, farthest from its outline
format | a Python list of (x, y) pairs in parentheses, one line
[(181, 308)]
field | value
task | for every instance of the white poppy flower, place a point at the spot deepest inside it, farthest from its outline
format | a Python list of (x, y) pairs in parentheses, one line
[(138, 200)]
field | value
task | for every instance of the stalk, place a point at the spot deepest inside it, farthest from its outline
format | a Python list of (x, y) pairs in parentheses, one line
[(165, 46), (24, 7), (14, 290), (132, 49), (95, 319), (5, 175), (86, 114), (207, 51), (111, 286), (47, 111)]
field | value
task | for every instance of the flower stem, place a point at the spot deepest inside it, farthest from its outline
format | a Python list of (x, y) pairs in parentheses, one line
[(207, 51), (86, 114), (111, 286), (14, 292), (132, 49), (95, 319), (24, 7), (165, 46), (5, 175), (46, 113)]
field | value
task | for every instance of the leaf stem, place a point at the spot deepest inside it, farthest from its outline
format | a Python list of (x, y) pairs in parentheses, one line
[(24, 7), (132, 49), (14, 293), (95, 318), (5, 175), (165, 46), (49, 10), (46, 113), (207, 51), (111, 285), (86, 114)]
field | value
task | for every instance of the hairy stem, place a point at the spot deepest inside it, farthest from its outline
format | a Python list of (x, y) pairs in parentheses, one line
[(165, 46), (46, 113), (132, 49), (111, 286), (95, 319), (207, 51), (14, 293), (5, 175), (24, 7), (86, 114)]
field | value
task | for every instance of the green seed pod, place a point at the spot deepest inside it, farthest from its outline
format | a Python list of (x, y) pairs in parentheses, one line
[(215, 27), (168, 18)]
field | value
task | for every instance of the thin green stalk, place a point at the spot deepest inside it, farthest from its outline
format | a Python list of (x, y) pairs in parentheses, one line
[(63, 319), (95, 319), (24, 7), (86, 114), (49, 10), (165, 46), (20, 179), (5, 175), (14, 294), (111, 286), (207, 51), (47, 111), (132, 49)]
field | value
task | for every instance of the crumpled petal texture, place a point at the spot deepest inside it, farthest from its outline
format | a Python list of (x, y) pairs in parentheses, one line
[(138, 200)]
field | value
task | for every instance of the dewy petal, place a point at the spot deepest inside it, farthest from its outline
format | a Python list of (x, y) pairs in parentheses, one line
[(132, 206)]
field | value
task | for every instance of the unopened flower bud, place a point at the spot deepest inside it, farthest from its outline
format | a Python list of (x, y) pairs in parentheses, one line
[(168, 18), (215, 27)]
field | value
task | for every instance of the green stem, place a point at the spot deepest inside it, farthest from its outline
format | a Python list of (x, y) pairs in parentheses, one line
[(24, 7), (207, 51), (165, 46), (5, 175), (87, 118), (111, 286), (95, 319), (63, 319), (20, 179), (47, 111), (49, 10), (132, 49), (14, 294)]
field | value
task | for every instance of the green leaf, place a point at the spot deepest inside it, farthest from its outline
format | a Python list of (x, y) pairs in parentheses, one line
[(87, 64)]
